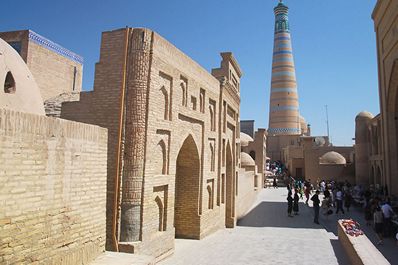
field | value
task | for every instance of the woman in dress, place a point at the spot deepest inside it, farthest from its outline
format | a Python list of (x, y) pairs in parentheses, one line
[(289, 204), (296, 202)]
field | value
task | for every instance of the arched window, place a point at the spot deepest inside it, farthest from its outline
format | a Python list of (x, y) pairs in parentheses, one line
[(166, 103), (164, 157), (9, 84), (210, 194), (162, 221)]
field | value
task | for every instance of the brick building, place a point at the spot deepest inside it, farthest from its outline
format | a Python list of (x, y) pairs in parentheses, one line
[(52, 177), (56, 69), (385, 23), (173, 149)]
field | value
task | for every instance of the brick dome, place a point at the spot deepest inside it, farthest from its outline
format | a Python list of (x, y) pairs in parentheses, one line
[(246, 159), (20, 91), (364, 115), (332, 158), (245, 139)]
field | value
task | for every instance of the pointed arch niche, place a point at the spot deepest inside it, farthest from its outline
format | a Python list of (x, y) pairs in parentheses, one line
[(187, 185), (166, 90)]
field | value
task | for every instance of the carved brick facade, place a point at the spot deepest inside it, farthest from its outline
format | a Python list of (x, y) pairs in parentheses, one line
[(179, 135)]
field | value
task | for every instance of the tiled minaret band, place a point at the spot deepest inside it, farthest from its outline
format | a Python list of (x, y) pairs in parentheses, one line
[(284, 118)]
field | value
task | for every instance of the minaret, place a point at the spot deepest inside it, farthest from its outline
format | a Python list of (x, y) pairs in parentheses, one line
[(284, 118)]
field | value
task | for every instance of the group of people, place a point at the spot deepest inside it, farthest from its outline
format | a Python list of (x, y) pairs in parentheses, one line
[(339, 196)]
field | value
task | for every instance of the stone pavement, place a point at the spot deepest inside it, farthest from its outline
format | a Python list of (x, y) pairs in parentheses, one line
[(264, 236), (389, 249), (119, 258)]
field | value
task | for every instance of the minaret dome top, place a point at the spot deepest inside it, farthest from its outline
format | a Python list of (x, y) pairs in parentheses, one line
[(281, 8)]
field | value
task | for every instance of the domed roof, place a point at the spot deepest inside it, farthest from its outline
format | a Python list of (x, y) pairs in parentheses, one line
[(20, 91), (245, 139), (332, 158), (246, 159), (364, 115)]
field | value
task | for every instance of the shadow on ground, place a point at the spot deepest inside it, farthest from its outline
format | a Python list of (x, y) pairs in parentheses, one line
[(274, 214)]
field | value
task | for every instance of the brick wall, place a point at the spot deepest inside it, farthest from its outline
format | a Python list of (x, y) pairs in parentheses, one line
[(101, 107), (52, 190), (54, 74), (249, 183), (172, 102)]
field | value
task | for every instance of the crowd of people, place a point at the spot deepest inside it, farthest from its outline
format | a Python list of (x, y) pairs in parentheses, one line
[(338, 197)]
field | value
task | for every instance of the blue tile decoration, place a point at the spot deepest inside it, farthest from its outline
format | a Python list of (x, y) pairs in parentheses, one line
[(46, 43), (283, 130), (283, 73), (283, 52)]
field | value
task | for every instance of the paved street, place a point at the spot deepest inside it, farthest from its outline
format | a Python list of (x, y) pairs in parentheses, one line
[(265, 236)]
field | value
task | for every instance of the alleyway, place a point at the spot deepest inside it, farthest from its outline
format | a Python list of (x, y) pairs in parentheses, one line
[(265, 236)]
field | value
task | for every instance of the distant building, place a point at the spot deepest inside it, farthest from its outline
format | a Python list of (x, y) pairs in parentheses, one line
[(289, 137), (55, 69), (247, 127)]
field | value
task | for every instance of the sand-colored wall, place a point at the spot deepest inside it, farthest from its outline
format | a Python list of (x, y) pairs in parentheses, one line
[(52, 190)]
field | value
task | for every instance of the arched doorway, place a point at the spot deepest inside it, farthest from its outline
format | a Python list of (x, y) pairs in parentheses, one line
[(230, 198), (186, 206)]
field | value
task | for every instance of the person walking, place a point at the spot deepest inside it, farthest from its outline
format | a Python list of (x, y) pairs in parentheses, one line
[(289, 204), (316, 201), (339, 201), (378, 224), (307, 192), (296, 202), (347, 201), (387, 214), (275, 183), (368, 214)]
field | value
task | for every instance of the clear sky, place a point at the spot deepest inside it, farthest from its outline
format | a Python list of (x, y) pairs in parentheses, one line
[(333, 43)]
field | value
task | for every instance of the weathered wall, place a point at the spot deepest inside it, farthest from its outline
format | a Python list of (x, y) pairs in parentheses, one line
[(102, 106), (54, 73), (52, 190), (386, 25), (275, 144), (249, 183), (181, 180), (56, 69), (19, 90), (315, 171)]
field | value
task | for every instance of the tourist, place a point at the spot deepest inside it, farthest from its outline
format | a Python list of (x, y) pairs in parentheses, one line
[(289, 204), (378, 224), (296, 202), (387, 214), (368, 213), (307, 192), (275, 183), (347, 200), (339, 201), (326, 193), (315, 200)]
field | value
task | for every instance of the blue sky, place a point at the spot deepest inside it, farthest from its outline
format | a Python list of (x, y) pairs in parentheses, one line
[(333, 43)]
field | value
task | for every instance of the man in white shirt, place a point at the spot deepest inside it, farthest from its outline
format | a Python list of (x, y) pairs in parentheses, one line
[(387, 214), (339, 201)]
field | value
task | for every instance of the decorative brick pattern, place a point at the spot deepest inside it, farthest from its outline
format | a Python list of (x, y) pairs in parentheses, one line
[(171, 158)]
